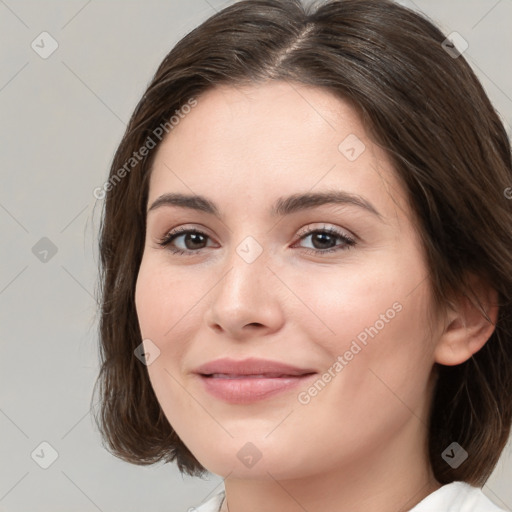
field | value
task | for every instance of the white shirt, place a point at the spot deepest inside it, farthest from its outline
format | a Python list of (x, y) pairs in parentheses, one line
[(454, 497)]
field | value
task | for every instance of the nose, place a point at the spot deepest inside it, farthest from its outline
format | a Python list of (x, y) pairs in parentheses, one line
[(245, 301)]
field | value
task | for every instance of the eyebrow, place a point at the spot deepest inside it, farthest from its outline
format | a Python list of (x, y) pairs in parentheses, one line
[(283, 206)]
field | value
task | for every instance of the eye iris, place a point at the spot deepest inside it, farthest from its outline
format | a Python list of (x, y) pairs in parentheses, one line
[(194, 237), (325, 237)]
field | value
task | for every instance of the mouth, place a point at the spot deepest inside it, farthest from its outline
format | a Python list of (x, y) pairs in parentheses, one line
[(250, 380), (250, 388), (252, 376), (252, 366)]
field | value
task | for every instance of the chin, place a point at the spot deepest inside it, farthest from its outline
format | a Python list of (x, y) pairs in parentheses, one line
[(246, 461)]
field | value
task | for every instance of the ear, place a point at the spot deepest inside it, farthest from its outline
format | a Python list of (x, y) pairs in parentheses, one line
[(467, 330)]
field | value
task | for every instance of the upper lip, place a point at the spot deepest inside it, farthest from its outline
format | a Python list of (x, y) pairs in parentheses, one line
[(250, 366)]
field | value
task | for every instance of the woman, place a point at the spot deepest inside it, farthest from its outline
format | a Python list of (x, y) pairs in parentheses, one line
[(305, 262)]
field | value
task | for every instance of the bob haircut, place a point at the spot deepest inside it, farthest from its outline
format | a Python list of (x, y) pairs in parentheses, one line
[(425, 107)]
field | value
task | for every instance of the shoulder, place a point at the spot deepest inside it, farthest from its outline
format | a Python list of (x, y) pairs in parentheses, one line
[(211, 505), (457, 497)]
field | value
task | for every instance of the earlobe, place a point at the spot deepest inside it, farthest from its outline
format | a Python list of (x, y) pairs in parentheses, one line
[(467, 328)]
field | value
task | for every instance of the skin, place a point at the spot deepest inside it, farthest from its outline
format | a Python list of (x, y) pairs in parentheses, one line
[(360, 443)]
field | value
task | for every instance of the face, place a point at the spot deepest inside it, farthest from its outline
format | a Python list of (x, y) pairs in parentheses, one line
[(334, 288)]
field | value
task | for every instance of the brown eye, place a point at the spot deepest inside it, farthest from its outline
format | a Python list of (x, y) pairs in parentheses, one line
[(324, 240), (193, 239)]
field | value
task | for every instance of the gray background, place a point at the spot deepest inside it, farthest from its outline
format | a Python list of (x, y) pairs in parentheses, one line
[(61, 120)]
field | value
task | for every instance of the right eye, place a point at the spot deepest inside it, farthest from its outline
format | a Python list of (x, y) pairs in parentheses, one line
[(191, 237)]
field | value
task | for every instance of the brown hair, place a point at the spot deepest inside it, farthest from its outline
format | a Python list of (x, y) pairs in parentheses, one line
[(425, 107)]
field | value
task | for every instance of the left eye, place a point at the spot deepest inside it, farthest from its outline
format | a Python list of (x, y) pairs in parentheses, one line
[(325, 238), (328, 236)]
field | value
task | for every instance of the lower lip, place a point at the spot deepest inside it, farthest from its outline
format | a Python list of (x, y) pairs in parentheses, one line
[(246, 390)]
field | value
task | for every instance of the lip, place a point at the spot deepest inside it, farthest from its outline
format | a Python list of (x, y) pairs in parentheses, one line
[(251, 366), (249, 380)]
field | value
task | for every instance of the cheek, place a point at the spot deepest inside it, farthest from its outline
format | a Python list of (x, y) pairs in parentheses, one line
[(157, 313), (379, 330), (363, 302), (163, 301), (375, 318), (163, 315), (168, 305)]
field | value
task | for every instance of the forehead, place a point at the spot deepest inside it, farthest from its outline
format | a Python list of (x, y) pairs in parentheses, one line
[(263, 140), (277, 114)]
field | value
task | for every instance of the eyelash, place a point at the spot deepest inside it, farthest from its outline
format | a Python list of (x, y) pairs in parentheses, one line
[(171, 236)]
